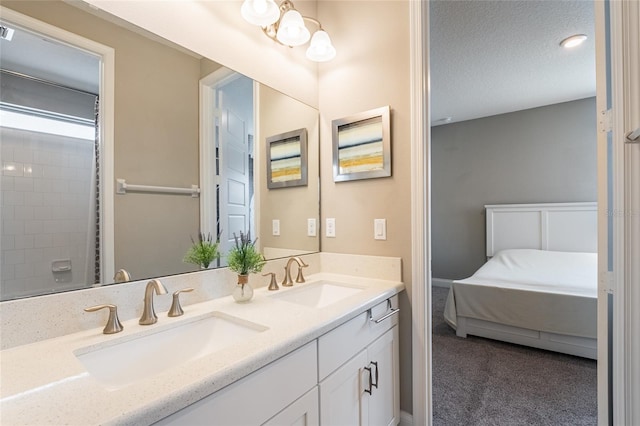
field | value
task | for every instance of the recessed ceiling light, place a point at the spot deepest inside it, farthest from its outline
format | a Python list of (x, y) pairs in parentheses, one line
[(573, 41)]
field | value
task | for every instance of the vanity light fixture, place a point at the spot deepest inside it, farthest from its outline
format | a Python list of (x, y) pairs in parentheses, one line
[(573, 41), (285, 25)]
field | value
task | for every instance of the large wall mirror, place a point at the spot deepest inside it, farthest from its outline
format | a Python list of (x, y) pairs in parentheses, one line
[(180, 120)]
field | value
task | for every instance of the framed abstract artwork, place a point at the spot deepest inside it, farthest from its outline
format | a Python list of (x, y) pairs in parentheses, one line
[(287, 159), (362, 145)]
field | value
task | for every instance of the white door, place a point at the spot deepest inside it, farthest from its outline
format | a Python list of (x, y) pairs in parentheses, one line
[(341, 401), (226, 155), (234, 174), (384, 401)]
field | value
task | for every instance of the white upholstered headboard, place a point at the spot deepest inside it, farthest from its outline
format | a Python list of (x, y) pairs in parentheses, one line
[(550, 226)]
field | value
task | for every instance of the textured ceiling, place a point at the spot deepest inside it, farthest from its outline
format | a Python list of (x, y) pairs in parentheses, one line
[(493, 57)]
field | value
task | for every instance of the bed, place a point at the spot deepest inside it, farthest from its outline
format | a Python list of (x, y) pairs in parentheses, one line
[(539, 285)]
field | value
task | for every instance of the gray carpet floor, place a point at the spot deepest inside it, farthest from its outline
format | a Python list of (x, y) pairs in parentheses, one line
[(479, 381)]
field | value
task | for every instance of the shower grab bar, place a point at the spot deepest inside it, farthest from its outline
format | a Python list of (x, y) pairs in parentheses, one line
[(124, 187)]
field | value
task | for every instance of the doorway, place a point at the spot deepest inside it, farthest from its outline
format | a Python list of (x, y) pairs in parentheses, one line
[(56, 145), (227, 157)]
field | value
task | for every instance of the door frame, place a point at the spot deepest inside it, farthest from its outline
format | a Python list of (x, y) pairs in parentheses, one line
[(624, 21)]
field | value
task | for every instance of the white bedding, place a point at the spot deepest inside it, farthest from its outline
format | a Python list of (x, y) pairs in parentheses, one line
[(535, 289)]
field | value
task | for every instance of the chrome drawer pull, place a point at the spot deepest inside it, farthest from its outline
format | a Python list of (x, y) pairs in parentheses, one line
[(385, 316)]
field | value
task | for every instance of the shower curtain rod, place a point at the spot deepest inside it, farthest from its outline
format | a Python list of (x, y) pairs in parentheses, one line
[(43, 81)]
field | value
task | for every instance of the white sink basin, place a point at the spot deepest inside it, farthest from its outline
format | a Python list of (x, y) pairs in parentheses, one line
[(128, 360), (318, 294)]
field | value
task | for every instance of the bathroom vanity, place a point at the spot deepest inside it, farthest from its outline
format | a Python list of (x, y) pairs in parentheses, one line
[(322, 352)]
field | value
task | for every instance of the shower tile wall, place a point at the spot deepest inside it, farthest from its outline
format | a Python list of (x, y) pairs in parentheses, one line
[(46, 198)]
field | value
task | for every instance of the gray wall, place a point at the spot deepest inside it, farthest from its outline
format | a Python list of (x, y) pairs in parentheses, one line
[(545, 154)]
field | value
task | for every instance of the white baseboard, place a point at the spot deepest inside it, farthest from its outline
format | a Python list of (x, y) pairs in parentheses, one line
[(406, 419), (441, 282)]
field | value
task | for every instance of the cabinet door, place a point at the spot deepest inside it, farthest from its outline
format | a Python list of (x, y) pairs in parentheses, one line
[(302, 412), (341, 394), (384, 401)]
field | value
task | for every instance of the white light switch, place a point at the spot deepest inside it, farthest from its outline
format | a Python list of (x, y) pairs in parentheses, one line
[(331, 227), (380, 229), (275, 227), (311, 227)]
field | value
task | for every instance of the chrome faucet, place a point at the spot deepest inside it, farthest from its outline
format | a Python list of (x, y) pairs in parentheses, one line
[(287, 281), (148, 313)]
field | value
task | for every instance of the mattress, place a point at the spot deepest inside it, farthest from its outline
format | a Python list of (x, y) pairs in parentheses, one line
[(541, 290)]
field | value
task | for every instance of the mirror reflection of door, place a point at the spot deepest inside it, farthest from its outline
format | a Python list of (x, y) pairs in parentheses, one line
[(234, 156), (49, 108)]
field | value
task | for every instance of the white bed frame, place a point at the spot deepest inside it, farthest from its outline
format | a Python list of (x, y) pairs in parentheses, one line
[(550, 226)]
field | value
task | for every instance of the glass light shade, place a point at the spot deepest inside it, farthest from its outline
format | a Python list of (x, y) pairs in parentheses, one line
[(292, 30), (321, 49), (260, 12)]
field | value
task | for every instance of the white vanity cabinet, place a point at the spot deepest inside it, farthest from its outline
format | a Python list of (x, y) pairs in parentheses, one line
[(364, 390), (255, 399), (348, 376), (303, 412)]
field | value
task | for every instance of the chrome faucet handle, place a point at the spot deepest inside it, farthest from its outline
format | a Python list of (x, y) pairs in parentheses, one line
[(113, 323), (300, 277), (176, 309), (273, 284), (148, 313)]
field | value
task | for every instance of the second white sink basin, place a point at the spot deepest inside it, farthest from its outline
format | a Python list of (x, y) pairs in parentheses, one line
[(128, 360), (318, 294)]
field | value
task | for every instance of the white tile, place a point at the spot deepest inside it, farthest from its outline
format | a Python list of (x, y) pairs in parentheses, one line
[(23, 155), (33, 255), (43, 213), (24, 184), (12, 168), (34, 227), (60, 240), (13, 227), (12, 257), (33, 198), (53, 199), (43, 240), (42, 185), (24, 270), (35, 170), (7, 183), (8, 242), (8, 272), (13, 198), (60, 185), (54, 253), (6, 150), (24, 213), (8, 212), (24, 241)]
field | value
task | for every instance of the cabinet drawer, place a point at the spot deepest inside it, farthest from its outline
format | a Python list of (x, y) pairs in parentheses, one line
[(257, 397), (339, 345)]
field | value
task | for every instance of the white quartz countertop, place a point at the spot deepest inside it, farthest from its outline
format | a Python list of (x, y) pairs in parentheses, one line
[(45, 383)]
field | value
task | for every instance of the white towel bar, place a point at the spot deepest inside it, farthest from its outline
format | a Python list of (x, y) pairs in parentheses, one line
[(124, 187)]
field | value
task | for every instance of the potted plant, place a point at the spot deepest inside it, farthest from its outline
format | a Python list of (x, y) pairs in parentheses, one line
[(204, 251), (244, 259)]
